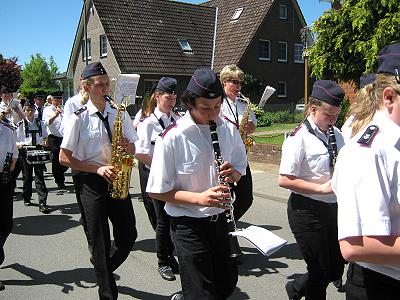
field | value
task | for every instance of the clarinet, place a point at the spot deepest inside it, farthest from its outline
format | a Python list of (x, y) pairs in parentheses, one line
[(333, 145), (6, 175), (221, 179)]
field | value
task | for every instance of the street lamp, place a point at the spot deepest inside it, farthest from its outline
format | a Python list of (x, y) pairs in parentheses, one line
[(307, 37)]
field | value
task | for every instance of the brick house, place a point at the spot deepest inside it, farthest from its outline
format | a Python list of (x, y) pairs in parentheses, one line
[(157, 38)]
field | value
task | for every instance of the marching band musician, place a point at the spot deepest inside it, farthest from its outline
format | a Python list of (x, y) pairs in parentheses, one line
[(232, 109), (8, 158), (308, 157), (10, 107), (40, 99), (86, 148), (52, 117), (32, 132), (159, 116), (366, 183), (185, 177)]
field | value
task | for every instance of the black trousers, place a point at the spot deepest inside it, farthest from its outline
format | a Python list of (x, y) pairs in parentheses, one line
[(98, 207), (365, 284), (40, 184), (314, 226), (6, 214), (206, 270), (57, 169), (244, 195), (164, 245), (147, 201)]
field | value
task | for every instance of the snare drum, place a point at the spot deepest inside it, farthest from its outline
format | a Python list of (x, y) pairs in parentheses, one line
[(38, 157)]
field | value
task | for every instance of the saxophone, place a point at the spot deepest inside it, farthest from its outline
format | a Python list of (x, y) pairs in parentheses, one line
[(120, 159), (248, 141)]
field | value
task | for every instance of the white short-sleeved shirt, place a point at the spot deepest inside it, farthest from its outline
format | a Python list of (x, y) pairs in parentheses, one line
[(13, 117), (8, 143), (55, 127), (71, 105), (87, 138), (184, 159), (27, 140), (150, 129), (137, 118), (366, 183), (306, 157), (233, 111)]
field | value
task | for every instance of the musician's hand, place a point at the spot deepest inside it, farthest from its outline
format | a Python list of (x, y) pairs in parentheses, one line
[(58, 111), (230, 174), (108, 173), (12, 166), (250, 128), (214, 197), (125, 144), (45, 143), (326, 188), (19, 145)]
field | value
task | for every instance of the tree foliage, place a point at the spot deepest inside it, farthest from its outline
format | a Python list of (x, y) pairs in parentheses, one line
[(349, 40), (38, 75), (10, 73)]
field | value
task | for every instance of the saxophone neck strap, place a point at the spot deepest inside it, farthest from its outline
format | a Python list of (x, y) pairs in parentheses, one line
[(106, 124), (234, 114)]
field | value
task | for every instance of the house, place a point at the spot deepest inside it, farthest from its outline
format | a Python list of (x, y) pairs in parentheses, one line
[(157, 38)]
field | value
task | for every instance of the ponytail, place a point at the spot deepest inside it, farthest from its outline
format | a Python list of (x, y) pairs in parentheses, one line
[(85, 94)]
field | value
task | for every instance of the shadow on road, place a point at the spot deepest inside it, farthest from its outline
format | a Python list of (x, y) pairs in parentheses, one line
[(43, 224), (81, 277), (148, 245), (140, 294)]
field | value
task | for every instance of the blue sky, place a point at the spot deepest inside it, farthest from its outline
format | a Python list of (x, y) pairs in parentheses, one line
[(48, 27)]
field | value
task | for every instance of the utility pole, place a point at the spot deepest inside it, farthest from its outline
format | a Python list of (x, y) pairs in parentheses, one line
[(307, 39)]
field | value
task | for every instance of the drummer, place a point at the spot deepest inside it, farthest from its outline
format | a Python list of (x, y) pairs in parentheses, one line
[(32, 135)]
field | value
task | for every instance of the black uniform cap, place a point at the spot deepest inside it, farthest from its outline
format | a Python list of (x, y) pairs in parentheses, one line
[(57, 95), (328, 91), (93, 69), (6, 90), (166, 84), (367, 79), (389, 60), (205, 83), (40, 95)]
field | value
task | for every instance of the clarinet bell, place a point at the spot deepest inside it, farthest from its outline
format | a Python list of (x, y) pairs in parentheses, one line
[(234, 247)]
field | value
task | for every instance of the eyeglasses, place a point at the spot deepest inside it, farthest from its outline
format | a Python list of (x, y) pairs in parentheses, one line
[(236, 82)]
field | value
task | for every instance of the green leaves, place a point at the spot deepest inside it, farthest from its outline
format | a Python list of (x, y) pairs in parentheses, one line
[(349, 40)]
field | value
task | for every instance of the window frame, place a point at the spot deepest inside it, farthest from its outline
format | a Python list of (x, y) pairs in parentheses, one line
[(285, 16), (285, 88), (103, 38), (286, 52), (236, 15), (295, 50), (185, 48), (269, 50)]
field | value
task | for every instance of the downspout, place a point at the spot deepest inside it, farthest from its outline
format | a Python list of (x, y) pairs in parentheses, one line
[(85, 30), (215, 38)]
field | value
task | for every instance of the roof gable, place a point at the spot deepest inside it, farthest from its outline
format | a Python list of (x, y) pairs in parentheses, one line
[(144, 35)]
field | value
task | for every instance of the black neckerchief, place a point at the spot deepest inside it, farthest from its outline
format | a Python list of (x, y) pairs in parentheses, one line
[(235, 116), (330, 147), (106, 124), (161, 122)]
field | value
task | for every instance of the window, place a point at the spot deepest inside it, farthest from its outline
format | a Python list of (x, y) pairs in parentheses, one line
[(282, 51), (103, 45), (283, 12), (89, 50), (264, 50), (148, 84), (282, 89), (236, 15), (298, 53), (185, 46)]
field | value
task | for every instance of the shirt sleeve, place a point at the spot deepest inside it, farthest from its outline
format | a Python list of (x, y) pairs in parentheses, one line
[(145, 133), (292, 156), (239, 156), (129, 131), (71, 134), (163, 174), (253, 117)]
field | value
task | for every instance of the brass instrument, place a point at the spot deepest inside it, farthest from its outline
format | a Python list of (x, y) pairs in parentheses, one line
[(248, 141), (120, 159)]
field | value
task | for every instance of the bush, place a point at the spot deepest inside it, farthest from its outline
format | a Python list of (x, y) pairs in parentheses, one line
[(264, 121), (277, 117)]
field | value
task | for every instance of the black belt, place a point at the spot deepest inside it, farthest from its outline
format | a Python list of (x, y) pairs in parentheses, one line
[(209, 219)]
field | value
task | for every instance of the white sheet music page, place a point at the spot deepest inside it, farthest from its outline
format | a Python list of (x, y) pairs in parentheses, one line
[(126, 85), (264, 240), (269, 90)]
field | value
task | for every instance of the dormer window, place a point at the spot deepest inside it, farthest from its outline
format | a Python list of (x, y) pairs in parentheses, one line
[(185, 46), (236, 15)]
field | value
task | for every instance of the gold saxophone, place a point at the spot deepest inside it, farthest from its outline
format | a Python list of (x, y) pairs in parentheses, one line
[(247, 140), (120, 159)]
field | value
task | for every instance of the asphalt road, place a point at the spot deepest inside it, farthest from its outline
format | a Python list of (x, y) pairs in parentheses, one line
[(47, 256)]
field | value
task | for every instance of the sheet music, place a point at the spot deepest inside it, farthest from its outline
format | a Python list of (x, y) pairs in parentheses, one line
[(126, 85), (264, 240), (269, 90)]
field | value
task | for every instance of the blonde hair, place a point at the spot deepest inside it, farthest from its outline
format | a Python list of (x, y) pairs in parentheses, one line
[(150, 104), (370, 99), (85, 95), (231, 71)]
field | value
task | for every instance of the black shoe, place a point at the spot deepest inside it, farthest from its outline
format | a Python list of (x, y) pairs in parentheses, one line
[(339, 285), (27, 203), (166, 273), (290, 291), (177, 296), (2, 287), (43, 208)]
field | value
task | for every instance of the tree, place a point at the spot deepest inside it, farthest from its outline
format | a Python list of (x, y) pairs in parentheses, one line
[(10, 72), (38, 75), (349, 40)]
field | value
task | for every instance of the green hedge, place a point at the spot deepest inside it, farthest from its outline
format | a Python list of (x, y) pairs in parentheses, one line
[(268, 118)]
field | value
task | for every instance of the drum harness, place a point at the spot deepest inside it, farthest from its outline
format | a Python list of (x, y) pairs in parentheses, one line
[(33, 132)]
